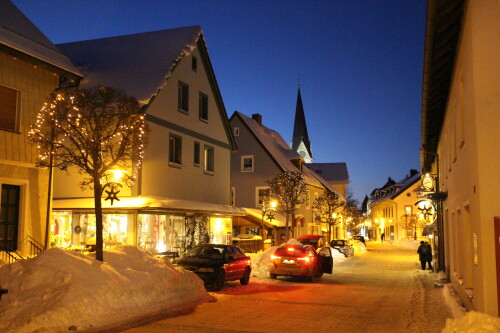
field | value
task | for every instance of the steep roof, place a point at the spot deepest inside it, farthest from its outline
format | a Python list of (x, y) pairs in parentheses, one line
[(19, 35), (140, 64), (300, 127), (280, 152), (394, 190), (335, 173)]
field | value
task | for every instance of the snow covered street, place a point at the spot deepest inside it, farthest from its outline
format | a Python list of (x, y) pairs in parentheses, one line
[(382, 290)]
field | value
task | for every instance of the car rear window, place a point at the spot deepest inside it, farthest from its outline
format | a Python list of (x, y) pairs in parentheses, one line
[(290, 251)]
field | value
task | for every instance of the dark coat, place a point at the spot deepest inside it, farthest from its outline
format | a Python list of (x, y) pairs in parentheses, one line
[(424, 252)]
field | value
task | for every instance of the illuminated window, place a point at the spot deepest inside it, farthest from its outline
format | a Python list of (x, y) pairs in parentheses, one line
[(209, 159), (203, 107), (262, 193), (175, 149), (183, 97), (9, 109), (247, 163)]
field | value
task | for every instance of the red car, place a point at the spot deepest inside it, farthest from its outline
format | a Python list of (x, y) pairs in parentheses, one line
[(300, 261)]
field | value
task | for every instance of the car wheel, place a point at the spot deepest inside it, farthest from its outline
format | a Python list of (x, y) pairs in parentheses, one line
[(219, 282), (246, 277), (308, 278), (318, 275), (273, 276)]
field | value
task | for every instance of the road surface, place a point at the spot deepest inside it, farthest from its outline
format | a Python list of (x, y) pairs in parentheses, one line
[(382, 290)]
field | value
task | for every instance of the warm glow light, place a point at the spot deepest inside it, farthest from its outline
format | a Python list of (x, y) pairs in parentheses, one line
[(306, 259), (117, 174), (290, 249), (273, 257), (274, 204)]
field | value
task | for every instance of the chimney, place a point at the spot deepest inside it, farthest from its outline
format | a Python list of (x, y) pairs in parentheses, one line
[(413, 172), (258, 118)]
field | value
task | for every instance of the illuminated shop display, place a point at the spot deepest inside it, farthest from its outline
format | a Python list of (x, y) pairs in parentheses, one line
[(220, 230), (60, 229), (160, 232), (114, 229)]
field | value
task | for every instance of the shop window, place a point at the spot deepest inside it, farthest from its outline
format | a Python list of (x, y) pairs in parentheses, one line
[(203, 107), (183, 97), (9, 109), (160, 232), (175, 150), (114, 230), (247, 163), (209, 160)]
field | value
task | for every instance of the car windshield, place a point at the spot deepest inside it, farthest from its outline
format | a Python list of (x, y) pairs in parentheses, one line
[(290, 251), (213, 252), (337, 242)]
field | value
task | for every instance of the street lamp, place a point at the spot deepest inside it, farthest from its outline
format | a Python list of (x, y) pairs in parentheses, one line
[(269, 210)]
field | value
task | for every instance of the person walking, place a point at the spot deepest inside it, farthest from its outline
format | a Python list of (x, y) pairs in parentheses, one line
[(429, 255), (423, 254), (382, 237)]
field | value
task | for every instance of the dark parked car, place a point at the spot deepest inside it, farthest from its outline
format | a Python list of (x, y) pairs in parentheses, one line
[(344, 246), (300, 261), (360, 238), (217, 263)]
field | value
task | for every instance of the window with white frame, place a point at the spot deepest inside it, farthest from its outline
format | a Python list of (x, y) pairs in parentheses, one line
[(408, 210), (209, 160), (183, 97), (175, 149), (9, 109), (247, 163), (261, 193)]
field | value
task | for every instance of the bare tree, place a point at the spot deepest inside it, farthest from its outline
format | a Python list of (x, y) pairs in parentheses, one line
[(95, 130), (288, 188), (326, 207), (410, 222)]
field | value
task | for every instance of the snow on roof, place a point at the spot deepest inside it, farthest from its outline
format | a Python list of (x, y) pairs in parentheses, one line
[(17, 32), (281, 152), (139, 63), (150, 202), (333, 172), (61, 290), (394, 190)]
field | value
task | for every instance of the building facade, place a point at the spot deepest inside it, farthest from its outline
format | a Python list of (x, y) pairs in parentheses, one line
[(31, 68), (182, 196), (460, 136)]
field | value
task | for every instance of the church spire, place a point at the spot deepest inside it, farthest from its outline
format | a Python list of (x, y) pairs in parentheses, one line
[(300, 139)]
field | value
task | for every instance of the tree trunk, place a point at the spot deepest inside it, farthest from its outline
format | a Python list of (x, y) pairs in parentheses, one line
[(329, 232), (98, 219), (287, 233)]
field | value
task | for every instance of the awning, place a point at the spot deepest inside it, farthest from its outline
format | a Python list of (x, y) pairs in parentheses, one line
[(150, 203), (256, 214), (429, 229)]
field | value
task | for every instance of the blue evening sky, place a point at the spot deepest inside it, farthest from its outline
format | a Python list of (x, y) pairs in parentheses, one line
[(359, 62)]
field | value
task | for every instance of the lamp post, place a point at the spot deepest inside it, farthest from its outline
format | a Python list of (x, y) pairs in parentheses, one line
[(268, 209)]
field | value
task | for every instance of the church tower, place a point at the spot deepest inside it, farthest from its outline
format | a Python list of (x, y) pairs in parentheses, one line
[(300, 140)]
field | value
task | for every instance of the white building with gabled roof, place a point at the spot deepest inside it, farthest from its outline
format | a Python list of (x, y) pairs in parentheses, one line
[(182, 196)]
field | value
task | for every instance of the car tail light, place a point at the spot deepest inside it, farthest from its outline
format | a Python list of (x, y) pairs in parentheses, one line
[(305, 259), (290, 249), (273, 257)]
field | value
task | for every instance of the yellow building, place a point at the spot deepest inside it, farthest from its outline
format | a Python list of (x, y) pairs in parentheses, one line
[(392, 211), (461, 144), (31, 68)]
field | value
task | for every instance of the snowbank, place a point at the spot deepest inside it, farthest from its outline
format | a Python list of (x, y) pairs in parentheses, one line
[(65, 290), (407, 244), (359, 247), (473, 322)]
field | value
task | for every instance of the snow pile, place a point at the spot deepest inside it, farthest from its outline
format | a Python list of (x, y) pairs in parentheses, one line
[(65, 290), (260, 264), (358, 246), (473, 322)]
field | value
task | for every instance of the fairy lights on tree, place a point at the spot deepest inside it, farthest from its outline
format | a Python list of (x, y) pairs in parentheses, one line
[(327, 209), (288, 188), (98, 131)]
